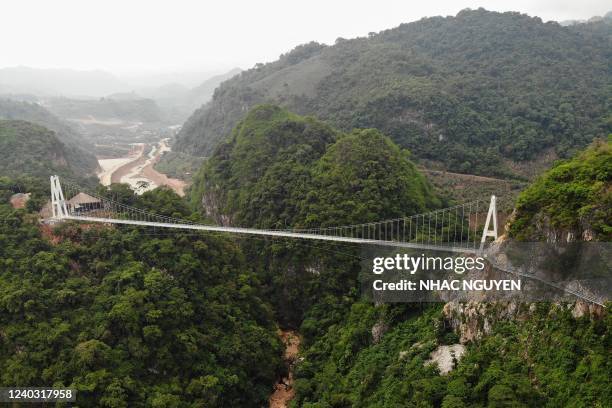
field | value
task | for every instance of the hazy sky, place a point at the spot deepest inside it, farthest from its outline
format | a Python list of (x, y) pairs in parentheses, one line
[(125, 36)]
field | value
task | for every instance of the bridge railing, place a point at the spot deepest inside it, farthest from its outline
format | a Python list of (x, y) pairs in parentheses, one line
[(459, 226)]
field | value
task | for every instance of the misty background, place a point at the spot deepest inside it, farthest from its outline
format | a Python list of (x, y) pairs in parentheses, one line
[(97, 48)]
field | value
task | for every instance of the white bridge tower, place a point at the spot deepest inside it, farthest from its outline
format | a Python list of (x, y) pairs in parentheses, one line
[(58, 203), (491, 217)]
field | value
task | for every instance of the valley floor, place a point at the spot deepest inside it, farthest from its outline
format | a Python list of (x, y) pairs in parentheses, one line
[(283, 390), (137, 169)]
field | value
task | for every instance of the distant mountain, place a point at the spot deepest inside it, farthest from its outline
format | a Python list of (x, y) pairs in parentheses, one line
[(124, 107), (53, 82), (179, 102), (188, 78), (204, 92), (78, 150), (607, 18), (33, 150), (176, 100), (464, 93), (166, 91), (125, 96)]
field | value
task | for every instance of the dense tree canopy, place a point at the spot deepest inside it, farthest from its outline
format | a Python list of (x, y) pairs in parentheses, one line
[(574, 196), (464, 91), (130, 317), (78, 150), (365, 177), (547, 358), (32, 150), (281, 170)]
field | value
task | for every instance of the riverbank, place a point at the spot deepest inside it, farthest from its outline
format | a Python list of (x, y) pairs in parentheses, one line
[(127, 168), (137, 170), (110, 166)]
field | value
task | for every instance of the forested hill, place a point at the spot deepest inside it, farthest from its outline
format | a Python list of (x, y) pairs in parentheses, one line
[(532, 355), (76, 147), (574, 197), (281, 169), (135, 110), (465, 91), (133, 319), (29, 149), (278, 170)]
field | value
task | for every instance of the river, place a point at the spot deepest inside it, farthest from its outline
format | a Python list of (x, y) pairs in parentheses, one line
[(137, 169)]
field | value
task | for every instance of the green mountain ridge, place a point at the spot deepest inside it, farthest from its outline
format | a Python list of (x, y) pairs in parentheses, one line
[(78, 149), (461, 91), (36, 151), (573, 198), (278, 170), (281, 170)]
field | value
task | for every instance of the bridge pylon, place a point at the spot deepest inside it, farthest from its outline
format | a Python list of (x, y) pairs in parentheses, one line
[(58, 203), (491, 221)]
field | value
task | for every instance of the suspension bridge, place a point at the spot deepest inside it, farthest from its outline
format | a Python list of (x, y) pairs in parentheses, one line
[(453, 229)]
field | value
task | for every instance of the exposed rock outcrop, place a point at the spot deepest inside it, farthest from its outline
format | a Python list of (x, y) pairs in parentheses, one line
[(581, 309), (446, 357), (210, 204), (473, 320), (378, 331)]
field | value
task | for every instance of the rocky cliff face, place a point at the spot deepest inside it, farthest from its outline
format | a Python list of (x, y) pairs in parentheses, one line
[(473, 320), (530, 262), (544, 228), (210, 205)]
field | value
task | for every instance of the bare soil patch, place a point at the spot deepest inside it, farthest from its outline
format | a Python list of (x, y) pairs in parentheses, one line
[(283, 390)]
